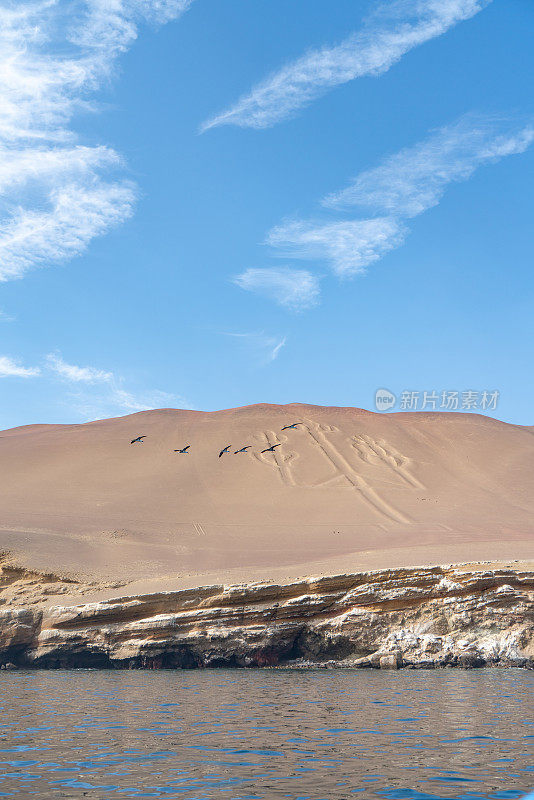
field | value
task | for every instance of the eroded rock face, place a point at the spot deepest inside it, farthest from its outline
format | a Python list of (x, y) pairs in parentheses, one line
[(418, 618)]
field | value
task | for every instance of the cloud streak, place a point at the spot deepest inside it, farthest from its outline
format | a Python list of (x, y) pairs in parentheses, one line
[(95, 393), (92, 393), (295, 289), (116, 401), (56, 195), (13, 369), (265, 348), (348, 246), (415, 179), (391, 31), (405, 185), (76, 214), (76, 374)]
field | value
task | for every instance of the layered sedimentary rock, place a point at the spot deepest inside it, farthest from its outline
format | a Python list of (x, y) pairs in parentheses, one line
[(419, 617)]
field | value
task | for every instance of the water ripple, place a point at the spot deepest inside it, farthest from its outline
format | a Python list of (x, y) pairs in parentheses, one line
[(249, 735)]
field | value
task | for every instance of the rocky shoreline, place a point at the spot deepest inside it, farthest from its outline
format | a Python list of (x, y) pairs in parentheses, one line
[(416, 618)]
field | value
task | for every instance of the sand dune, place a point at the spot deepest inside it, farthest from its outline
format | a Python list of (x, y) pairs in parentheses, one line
[(347, 488)]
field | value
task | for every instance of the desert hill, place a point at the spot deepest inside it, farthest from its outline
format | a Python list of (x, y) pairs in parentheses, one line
[(345, 489)]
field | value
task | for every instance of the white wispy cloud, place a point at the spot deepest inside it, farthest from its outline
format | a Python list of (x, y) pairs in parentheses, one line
[(277, 346), (391, 31), (265, 348), (91, 405), (76, 214), (56, 195), (37, 166), (144, 401), (95, 393), (348, 246), (9, 368), (72, 372), (415, 179), (295, 289), (404, 186)]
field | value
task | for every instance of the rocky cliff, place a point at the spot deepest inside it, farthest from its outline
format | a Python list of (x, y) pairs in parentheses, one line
[(419, 617)]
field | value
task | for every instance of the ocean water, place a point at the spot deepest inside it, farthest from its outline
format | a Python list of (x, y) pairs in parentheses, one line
[(251, 734)]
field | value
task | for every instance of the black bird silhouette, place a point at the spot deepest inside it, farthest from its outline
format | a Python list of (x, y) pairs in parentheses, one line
[(243, 449), (225, 450), (271, 449), (290, 427), (139, 439), (185, 449)]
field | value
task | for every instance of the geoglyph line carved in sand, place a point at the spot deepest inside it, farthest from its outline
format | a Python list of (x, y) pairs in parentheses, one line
[(277, 460), (379, 452), (344, 472), (199, 529)]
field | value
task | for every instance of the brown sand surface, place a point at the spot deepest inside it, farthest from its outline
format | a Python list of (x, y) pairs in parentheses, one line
[(347, 490)]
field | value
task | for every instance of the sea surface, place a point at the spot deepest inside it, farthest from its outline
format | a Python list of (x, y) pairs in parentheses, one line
[(250, 734)]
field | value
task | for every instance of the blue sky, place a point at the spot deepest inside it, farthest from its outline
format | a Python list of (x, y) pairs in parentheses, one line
[(208, 204)]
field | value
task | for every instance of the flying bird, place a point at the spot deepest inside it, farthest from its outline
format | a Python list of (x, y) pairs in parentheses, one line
[(243, 449), (290, 427), (184, 450), (225, 450), (271, 449), (139, 439)]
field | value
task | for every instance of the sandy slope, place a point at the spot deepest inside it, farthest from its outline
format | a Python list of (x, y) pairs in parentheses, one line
[(347, 490)]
